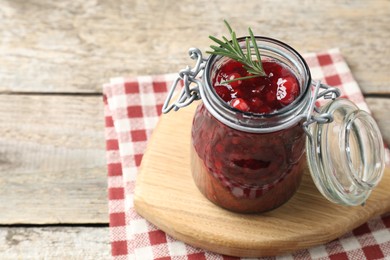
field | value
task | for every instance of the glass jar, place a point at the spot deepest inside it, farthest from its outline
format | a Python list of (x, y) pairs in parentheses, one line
[(247, 162)]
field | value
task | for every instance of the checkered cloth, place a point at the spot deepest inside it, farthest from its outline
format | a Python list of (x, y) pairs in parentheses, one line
[(132, 109)]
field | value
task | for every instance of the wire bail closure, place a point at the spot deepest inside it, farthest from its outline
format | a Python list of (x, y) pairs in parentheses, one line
[(191, 92), (324, 118)]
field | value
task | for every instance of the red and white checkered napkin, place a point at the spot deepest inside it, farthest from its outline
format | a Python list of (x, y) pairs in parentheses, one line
[(132, 109)]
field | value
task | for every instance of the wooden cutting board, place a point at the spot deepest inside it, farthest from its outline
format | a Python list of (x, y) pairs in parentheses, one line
[(166, 195)]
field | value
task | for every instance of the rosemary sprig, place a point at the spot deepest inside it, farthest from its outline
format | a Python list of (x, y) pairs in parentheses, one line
[(233, 50)]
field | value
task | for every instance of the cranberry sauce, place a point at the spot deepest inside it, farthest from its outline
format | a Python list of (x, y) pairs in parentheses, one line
[(241, 171), (263, 94)]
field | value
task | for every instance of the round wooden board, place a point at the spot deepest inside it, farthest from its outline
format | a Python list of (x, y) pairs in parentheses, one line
[(166, 195)]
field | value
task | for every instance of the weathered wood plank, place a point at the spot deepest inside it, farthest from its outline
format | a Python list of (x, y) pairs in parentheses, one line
[(54, 243), (52, 159), (75, 46), (380, 108)]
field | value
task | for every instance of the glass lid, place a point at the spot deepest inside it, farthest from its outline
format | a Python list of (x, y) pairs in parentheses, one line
[(346, 156)]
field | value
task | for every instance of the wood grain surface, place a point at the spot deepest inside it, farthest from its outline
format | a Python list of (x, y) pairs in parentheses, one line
[(55, 55), (306, 220), (71, 243), (52, 160), (379, 108), (75, 46)]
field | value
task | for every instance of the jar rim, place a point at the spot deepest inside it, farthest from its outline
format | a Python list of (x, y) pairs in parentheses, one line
[(258, 122), (277, 112)]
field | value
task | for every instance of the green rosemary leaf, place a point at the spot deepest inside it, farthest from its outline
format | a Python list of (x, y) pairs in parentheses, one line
[(215, 47), (232, 49), (230, 45), (258, 62), (227, 54), (218, 49), (254, 44), (225, 47), (248, 48), (252, 71), (228, 26), (241, 78), (223, 44), (237, 46), (227, 41)]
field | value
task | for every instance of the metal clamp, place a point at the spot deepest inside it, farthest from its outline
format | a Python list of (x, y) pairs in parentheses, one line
[(187, 77), (321, 118)]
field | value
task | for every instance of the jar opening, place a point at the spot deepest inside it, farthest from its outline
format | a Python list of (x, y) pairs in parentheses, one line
[(271, 50)]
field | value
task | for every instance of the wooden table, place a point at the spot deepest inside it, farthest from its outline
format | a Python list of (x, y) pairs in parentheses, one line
[(55, 56)]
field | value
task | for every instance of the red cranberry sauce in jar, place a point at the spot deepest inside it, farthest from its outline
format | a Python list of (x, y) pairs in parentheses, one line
[(241, 171), (258, 94)]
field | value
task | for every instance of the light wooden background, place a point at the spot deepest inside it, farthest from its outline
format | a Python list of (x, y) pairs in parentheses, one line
[(54, 57)]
